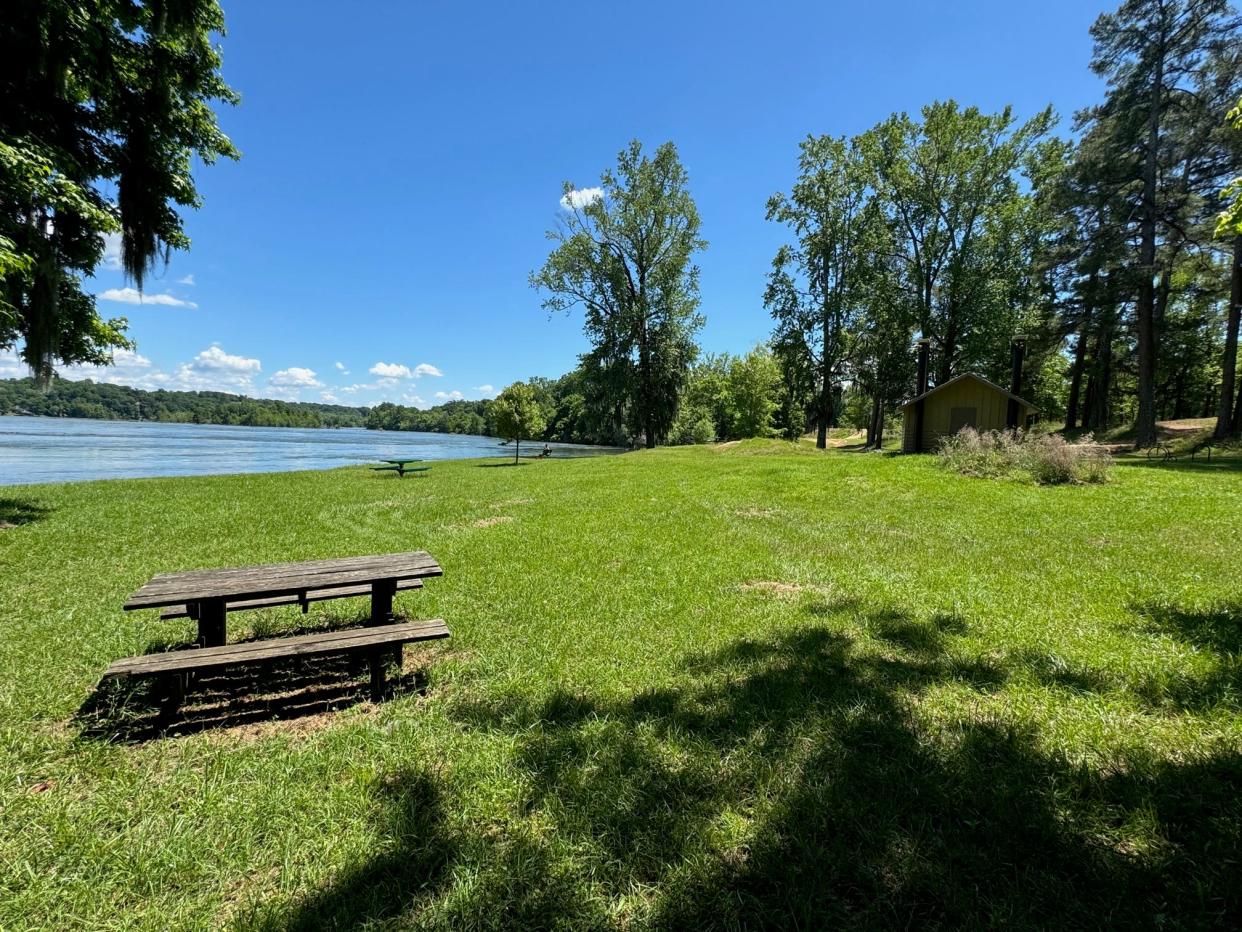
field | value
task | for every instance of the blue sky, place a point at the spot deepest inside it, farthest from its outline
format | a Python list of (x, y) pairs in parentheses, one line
[(402, 162)]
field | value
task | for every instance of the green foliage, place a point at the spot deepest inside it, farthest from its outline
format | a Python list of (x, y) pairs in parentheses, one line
[(729, 398), (106, 105), (452, 417), (1230, 220), (816, 287), (952, 188), (518, 415), (626, 257), (121, 403), (754, 383), (1172, 68)]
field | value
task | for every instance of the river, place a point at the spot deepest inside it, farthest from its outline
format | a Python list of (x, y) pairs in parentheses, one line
[(49, 449)]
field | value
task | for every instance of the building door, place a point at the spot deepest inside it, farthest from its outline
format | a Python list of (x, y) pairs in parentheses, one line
[(962, 417)]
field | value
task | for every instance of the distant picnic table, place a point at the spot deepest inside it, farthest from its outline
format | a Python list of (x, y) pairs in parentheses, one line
[(207, 596), (401, 467)]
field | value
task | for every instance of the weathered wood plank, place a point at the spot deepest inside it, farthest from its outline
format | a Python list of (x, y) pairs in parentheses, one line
[(322, 595), (280, 579), (308, 645)]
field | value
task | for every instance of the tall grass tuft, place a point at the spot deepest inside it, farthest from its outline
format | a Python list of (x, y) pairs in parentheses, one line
[(1044, 458)]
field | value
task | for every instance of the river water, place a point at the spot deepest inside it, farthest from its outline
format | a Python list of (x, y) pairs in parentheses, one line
[(49, 449)]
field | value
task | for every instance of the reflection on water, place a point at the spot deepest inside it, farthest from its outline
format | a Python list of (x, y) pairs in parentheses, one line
[(42, 449)]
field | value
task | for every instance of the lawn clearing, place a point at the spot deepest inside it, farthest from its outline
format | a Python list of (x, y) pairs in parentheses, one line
[(685, 688)]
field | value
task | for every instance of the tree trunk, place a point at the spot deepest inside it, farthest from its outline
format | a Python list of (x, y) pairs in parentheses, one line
[(517, 449), (876, 432), (645, 392), (1229, 361), (1145, 422), (944, 371), (1080, 357), (1101, 375), (825, 374)]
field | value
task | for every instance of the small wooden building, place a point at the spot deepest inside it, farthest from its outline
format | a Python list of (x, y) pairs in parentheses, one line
[(965, 401)]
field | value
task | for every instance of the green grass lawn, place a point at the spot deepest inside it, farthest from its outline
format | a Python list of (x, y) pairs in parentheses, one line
[(728, 688)]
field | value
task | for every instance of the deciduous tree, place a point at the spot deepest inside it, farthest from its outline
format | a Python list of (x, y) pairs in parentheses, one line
[(624, 253), (518, 415)]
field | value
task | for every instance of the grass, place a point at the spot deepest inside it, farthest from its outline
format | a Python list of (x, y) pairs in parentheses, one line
[(717, 688)]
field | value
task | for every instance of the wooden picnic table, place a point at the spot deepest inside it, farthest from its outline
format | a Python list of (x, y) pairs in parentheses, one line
[(206, 593)]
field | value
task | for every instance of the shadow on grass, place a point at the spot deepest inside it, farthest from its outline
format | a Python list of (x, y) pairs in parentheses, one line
[(1216, 628), (1217, 464), (790, 782), (499, 465), (414, 854), (15, 512)]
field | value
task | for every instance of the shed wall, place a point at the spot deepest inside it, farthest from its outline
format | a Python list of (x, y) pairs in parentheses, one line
[(991, 410)]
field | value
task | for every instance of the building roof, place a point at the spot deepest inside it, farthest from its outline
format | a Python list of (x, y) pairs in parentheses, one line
[(977, 378)]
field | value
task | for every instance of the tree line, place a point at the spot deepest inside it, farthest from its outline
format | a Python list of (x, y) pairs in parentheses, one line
[(107, 402)]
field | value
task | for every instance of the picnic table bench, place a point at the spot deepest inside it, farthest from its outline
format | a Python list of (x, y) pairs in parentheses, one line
[(208, 595), (400, 467), (176, 665)]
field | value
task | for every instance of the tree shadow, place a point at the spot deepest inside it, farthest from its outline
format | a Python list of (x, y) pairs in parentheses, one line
[(1216, 628), (15, 512), (1216, 465), (413, 852), (795, 781), (498, 465)]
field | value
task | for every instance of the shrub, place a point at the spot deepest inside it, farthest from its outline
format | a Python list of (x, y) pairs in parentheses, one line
[(693, 425), (1045, 458)]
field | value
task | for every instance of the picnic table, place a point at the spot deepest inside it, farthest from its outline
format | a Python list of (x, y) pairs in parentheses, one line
[(207, 594), (401, 467)]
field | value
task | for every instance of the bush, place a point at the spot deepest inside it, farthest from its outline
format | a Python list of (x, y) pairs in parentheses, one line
[(693, 425), (1045, 458)]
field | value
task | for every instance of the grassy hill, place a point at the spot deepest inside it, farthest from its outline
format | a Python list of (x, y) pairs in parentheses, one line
[(711, 687)]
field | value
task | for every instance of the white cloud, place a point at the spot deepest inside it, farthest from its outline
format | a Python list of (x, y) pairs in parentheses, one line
[(415, 401), (128, 368), (128, 359), (487, 391), (214, 359), (329, 398), (581, 197), (11, 367), (295, 377), (211, 370), (392, 370), (134, 296), (188, 280), (450, 396), (112, 251), (340, 367), (395, 370)]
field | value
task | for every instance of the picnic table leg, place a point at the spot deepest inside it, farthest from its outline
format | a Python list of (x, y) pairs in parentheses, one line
[(382, 592), (377, 674), (211, 625)]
